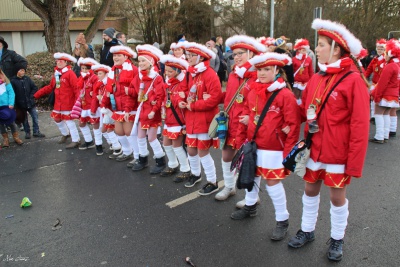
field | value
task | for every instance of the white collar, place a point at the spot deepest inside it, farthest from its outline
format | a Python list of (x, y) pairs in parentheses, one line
[(151, 75)]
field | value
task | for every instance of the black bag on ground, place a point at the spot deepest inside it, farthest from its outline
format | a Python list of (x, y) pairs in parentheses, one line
[(245, 160)]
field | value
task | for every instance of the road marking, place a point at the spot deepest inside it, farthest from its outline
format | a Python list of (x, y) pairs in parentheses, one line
[(186, 198), (47, 166)]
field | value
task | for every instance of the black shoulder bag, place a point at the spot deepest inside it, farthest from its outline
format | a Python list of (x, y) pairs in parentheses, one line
[(290, 161), (245, 160)]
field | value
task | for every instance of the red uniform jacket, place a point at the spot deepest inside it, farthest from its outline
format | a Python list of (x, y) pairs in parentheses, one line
[(283, 112), (66, 94), (343, 123), (99, 92), (85, 89), (388, 84), (173, 87), (156, 93), (202, 112), (116, 86), (234, 82), (375, 67), (303, 76)]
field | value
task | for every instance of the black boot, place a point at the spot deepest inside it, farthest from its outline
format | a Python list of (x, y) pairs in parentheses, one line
[(335, 251), (280, 230), (140, 164), (160, 166), (247, 211)]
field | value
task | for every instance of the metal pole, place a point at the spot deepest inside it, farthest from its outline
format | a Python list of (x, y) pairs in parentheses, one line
[(317, 14), (271, 32)]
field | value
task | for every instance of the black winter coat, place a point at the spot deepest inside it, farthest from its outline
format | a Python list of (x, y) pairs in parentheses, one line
[(24, 89), (11, 63), (106, 56)]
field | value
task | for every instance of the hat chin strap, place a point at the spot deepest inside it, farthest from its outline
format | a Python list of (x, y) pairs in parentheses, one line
[(332, 48)]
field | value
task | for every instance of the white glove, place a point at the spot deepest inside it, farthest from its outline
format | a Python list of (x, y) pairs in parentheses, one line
[(301, 159)]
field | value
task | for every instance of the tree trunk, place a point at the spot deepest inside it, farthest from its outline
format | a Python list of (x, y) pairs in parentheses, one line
[(97, 20), (55, 16)]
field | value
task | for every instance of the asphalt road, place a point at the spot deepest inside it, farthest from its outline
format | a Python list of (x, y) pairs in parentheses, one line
[(111, 216)]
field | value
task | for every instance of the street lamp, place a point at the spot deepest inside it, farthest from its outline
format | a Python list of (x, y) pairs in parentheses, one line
[(271, 32)]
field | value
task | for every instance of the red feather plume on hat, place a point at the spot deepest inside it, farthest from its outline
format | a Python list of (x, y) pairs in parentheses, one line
[(393, 48), (381, 42), (301, 43)]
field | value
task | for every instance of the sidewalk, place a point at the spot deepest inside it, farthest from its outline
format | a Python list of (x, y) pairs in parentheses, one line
[(46, 126)]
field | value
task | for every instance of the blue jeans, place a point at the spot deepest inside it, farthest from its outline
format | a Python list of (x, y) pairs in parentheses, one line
[(35, 121)]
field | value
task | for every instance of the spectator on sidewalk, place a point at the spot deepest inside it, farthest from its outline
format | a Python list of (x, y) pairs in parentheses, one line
[(7, 112), (24, 89), (106, 57), (121, 37), (9, 59), (82, 49)]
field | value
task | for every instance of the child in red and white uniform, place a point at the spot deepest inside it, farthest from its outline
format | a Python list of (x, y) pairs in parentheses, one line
[(149, 90), (178, 50), (174, 130), (201, 105), (85, 89), (278, 133), (302, 67), (106, 127), (386, 93), (63, 84), (123, 106), (375, 68), (243, 48), (340, 140)]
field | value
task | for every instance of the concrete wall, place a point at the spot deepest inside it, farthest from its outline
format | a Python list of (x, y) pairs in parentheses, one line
[(26, 43)]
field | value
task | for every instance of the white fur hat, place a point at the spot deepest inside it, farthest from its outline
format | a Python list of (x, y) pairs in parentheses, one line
[(101, 67), (245, 42), (87, 61), (149, 50), (199, 49), (174, 62), (339, 33), (64, 56), (122, 49), (270, 59)]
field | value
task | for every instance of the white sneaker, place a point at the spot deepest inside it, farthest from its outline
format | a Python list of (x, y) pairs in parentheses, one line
[(225, 193), (241, 203)]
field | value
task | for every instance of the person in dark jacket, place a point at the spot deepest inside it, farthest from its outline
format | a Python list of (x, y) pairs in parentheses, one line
[(10, 59), (24, 88), (106, 57)]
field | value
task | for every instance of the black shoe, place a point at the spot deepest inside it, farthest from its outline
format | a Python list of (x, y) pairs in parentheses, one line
[(280, 230), (208, 189), (372, 120), (115, 154), (193, 179), (169, 171), (140, 164), (87, 145), (392, 134), (28, 136), (182, 176), (99, 150), (373, 140), (247, 211), (123, 157), (301, 238), (335, 251), (38, 134), (160, 166)]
